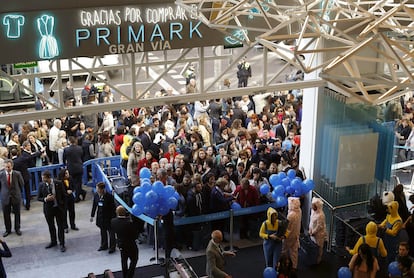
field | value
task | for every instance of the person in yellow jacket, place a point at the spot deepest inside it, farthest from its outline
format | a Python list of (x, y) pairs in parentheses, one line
[(375, 243), (272, 231), (392, 226), (123, 151)]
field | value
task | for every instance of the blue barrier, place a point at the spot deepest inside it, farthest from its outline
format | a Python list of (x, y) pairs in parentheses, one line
[(36, 175), (113, 161)]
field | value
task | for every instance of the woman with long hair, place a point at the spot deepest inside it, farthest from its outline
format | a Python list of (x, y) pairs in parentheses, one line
[(363, 264), (137, 153)]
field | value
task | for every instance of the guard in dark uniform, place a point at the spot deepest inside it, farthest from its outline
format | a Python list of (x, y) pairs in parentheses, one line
[(104, 206)]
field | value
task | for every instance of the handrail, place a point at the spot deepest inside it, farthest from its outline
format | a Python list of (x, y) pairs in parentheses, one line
[(333, 209)]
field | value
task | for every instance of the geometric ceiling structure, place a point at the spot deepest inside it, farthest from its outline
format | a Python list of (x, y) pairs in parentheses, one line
[(365, 48)]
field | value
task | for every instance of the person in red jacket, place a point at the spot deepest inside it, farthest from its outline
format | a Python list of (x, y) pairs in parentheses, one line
[(146, 161), (119, 139), (247, 196)]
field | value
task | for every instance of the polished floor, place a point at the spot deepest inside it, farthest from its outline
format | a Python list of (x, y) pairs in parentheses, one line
[(31, 259)]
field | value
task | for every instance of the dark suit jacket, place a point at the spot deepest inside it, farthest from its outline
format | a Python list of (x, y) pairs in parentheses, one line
[(218, 202), (126, 231), (60, 195), (280, 132), (15, 190), (25, 161), (72, 157), (4, 253), (104, 208), (145, 141), (215, 261)]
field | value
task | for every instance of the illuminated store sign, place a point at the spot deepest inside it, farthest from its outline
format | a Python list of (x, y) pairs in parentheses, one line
[(99, 31)]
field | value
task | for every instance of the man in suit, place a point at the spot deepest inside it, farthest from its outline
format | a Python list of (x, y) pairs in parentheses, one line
[(104, 206), (72, 157), (127, 232), (215, 256), (281, 130), (53, 195), (11, 185)]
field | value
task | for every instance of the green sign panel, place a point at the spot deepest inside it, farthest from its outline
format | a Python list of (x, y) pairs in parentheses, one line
[(25, 65)]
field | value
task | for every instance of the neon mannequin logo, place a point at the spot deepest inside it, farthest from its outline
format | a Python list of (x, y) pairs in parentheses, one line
[(48, 47), (14, 25)]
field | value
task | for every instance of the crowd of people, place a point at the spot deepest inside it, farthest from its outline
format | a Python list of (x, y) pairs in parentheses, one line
[(213, 152)]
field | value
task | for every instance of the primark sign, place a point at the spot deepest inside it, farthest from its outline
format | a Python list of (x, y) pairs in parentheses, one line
[(32, 36)]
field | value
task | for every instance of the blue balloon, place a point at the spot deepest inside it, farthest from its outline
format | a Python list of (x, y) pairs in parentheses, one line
[(172, 202), (393, 269), (168, 191), (138, 198), (291, 173), (278, 190), (296, 184), (289, 189), (163, 210), (309, 184), (282, 175), (153, 210), (145, 180), (158, 188), (137, 189), (281, 201), (176, 195), (145, 187), (274, 180), (297, 193), (137, 209), (287, 145), (264, 189), (145, 173), (344, 272), (151, 197), (235, 206), (286, 182), (269, 272)]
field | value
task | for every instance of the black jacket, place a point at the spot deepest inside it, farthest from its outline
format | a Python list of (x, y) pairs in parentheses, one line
[(105, 209), (60, 195), (72, 157), (126, 231)]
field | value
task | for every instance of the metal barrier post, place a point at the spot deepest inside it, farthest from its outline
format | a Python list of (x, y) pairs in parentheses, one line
[(331, 227), (231, 229), (157, 259)]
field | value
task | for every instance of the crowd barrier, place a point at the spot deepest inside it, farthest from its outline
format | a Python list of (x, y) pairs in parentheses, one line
[(100, 175), (36, 175)]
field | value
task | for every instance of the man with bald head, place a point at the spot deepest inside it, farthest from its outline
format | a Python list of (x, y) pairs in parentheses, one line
[(215, 256), (126, 232)]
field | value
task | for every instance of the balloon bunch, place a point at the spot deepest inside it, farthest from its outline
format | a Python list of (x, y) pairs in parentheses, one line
[(153, 199), (286, 184)]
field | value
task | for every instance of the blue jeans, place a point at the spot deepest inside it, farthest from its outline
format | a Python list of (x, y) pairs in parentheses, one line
[(272, 250)]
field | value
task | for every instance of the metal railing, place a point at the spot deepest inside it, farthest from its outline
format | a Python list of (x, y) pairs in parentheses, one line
[(333, 210)]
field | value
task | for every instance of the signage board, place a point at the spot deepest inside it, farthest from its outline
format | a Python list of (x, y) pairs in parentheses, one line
[(57, 34)]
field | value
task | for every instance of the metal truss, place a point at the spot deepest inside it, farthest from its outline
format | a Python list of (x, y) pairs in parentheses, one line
[(136, 79), (362, 49), (365, 48)]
